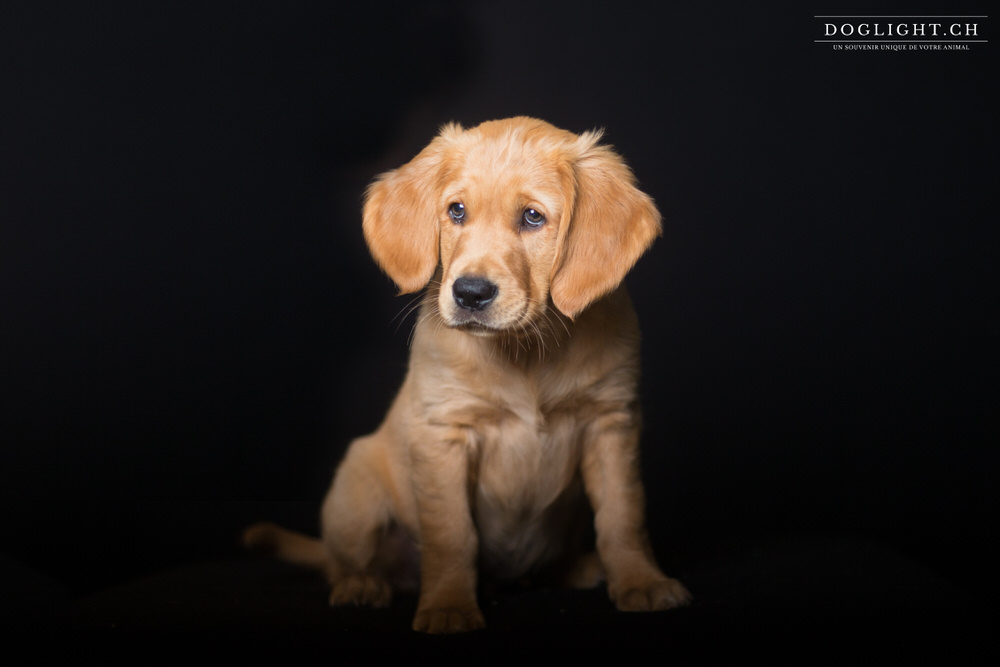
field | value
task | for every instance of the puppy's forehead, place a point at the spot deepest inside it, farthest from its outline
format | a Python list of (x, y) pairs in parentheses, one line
[(509, 144), (510, 161)]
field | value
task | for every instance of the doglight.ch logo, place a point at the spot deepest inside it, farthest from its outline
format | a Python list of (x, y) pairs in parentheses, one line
[(902, 33)]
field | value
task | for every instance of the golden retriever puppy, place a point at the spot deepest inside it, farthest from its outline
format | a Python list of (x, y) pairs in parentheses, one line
[(520, 401)]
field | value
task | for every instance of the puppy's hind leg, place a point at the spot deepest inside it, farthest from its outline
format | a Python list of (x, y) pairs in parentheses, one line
[(355, 517), (584, 572)]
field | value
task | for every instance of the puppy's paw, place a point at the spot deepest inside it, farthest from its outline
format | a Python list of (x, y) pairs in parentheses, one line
[(448, 620), (361, 589), (657, 595)]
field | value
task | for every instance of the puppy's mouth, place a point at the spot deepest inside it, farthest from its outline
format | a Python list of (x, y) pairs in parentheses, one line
[(477, 329), (475, 324), (485, 323)]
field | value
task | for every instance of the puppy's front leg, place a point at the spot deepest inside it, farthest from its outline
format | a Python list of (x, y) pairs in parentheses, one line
[(448, 536), (613, 484)]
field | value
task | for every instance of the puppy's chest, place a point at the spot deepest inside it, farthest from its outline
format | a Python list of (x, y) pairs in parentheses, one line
[(527, 487), (528, 448)]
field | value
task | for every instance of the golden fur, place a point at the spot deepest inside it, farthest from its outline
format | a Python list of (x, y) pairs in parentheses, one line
[(520, 401)]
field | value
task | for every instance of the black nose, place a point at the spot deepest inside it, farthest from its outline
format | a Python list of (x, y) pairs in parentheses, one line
[(473, 293)]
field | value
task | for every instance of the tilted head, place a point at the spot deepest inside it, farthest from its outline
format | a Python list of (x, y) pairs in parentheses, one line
[(515, 212)]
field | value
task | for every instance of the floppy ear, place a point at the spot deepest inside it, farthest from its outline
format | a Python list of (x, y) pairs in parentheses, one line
[(400, 219), (612, 224)]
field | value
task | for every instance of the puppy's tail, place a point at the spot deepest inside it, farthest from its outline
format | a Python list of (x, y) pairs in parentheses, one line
[(289, 546)]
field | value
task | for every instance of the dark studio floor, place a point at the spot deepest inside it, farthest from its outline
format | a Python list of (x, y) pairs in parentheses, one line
[(819, 598)]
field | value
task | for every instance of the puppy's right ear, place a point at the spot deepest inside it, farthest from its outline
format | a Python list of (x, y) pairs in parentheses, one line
[(401, 216)]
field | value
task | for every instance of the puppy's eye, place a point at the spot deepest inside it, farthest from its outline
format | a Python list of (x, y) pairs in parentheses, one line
[(533, 218), (457, 213)]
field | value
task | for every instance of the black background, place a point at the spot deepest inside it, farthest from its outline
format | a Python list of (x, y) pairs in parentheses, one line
[(191, 329)]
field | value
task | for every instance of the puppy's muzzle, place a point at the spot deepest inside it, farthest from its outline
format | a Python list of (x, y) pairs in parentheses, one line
[(473, 293)]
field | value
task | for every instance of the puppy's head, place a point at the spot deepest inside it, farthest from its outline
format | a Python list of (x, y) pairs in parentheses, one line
[(516, 213)]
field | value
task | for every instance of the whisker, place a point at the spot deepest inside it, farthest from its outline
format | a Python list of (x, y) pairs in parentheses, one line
[(417, 304), (411, 306), (551, 315)]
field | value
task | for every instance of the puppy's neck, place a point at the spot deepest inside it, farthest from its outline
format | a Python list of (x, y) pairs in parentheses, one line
[(544, 337)]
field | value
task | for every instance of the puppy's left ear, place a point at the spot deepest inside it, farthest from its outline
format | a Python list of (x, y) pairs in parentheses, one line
[(613, 223), (401, 220)]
